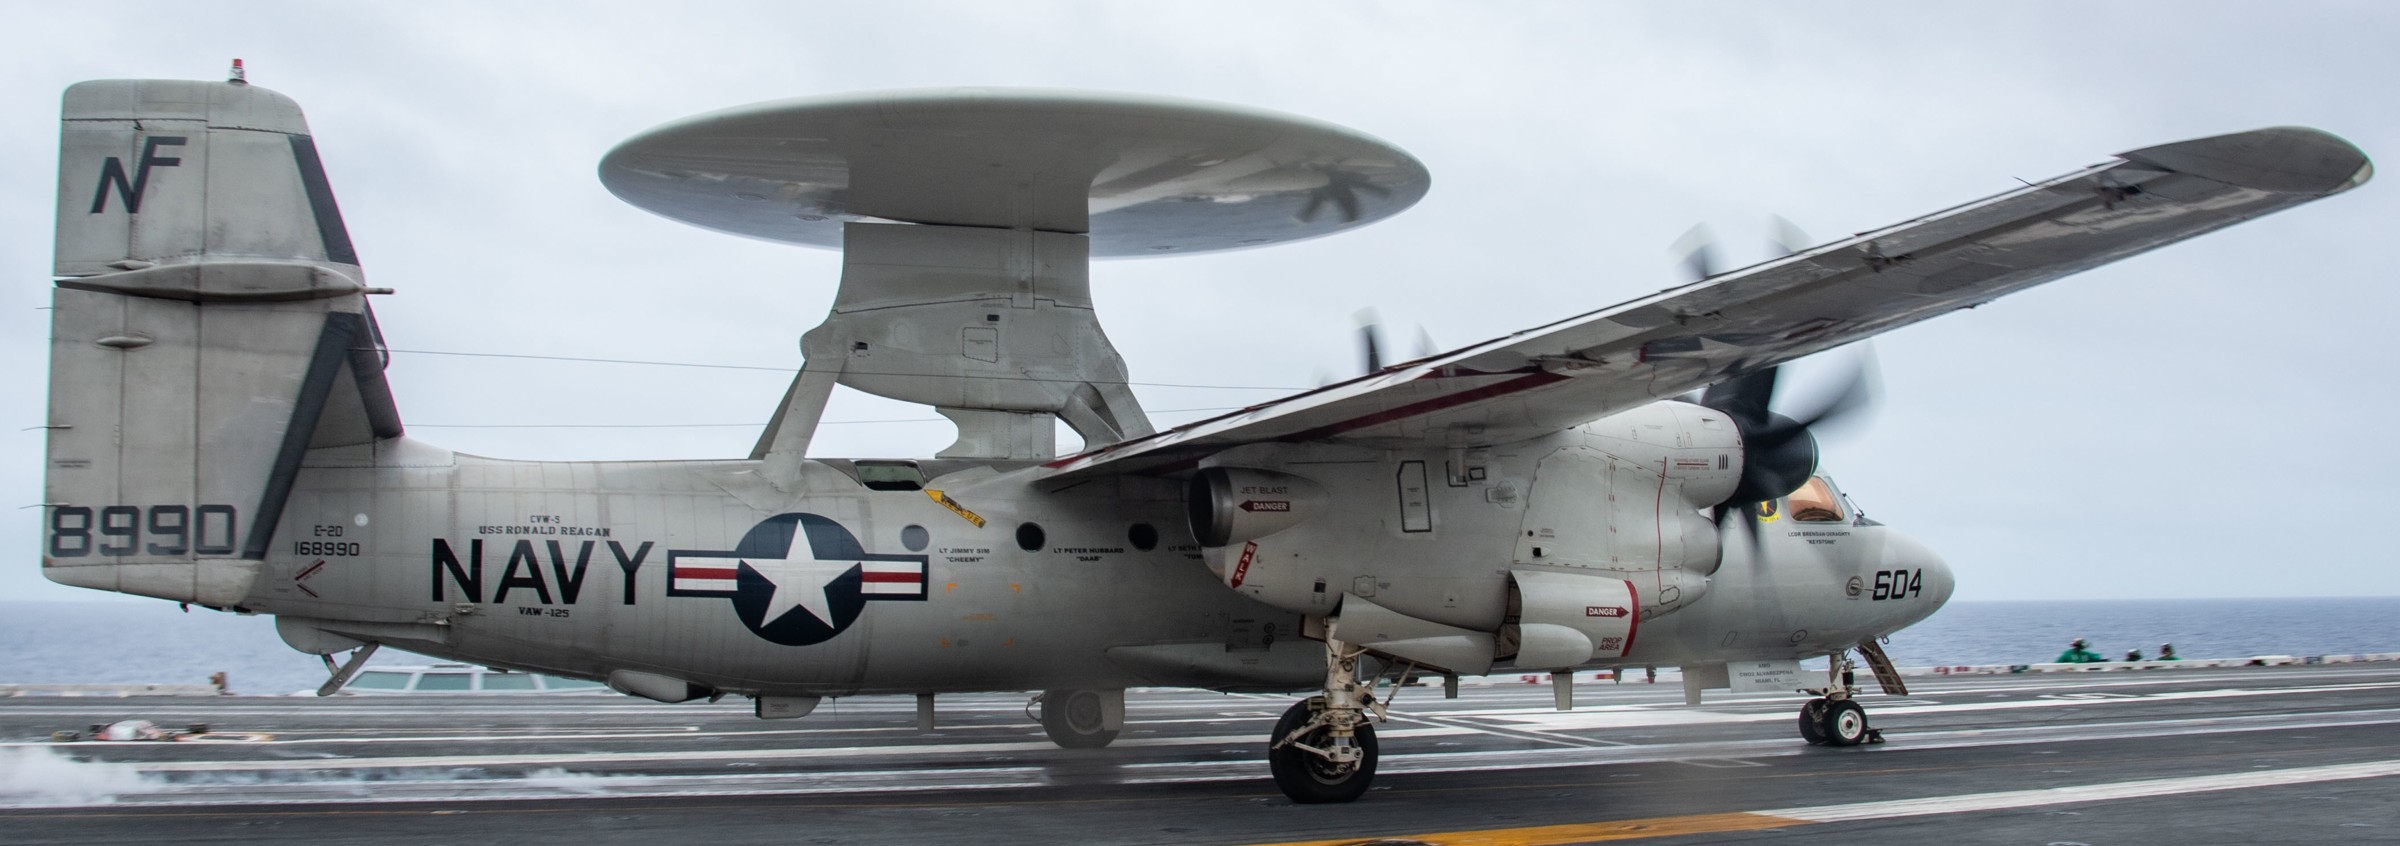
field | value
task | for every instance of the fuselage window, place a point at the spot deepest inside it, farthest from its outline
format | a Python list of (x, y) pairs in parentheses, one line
[(1814, 503), (380, 680), (890, 475), (508, 681), (445, 681)]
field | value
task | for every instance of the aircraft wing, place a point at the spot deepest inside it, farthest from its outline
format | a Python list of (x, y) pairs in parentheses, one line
[(1664, 345)]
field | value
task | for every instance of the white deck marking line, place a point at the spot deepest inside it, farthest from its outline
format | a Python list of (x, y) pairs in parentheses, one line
[(1620, 717), (1522, 759), (2080, 794), (1510, 732)]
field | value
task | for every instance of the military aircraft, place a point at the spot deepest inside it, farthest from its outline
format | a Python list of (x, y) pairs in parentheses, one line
[(221, 431)]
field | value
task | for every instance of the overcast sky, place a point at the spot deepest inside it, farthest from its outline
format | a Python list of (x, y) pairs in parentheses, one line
[(2206, 421)]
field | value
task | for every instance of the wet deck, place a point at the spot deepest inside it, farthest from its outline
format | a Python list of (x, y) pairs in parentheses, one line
[(2285, 754)]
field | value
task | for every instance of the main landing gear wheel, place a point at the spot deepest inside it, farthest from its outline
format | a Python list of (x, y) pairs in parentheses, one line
[(1075, 719), (1310, 778)]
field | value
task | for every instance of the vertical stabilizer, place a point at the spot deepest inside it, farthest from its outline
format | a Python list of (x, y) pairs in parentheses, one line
[(210, 326)]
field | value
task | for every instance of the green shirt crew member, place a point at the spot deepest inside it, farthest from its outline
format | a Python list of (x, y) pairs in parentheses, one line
[(2079, 653)]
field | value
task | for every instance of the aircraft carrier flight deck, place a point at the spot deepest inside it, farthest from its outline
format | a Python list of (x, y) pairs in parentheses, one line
[(2289, 754)]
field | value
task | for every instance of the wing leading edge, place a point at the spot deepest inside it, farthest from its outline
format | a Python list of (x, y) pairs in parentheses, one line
[(1623, 356)]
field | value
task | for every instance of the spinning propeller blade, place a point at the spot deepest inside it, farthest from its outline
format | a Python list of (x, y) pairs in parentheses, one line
[(1370, 339), (1779, 451)]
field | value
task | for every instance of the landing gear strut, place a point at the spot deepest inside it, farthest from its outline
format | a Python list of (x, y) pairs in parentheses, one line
[(1323, 749), (1835, 718)]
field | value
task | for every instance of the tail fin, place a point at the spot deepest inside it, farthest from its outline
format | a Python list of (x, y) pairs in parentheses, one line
[(209, 328)]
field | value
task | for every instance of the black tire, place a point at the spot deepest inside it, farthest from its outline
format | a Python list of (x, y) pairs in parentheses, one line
[(1845, 724), (1812, 721), (1074, 719), (1311, 780)]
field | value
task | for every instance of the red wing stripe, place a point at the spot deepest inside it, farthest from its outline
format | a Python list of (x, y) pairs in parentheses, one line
[(1526, 382), (1522, 383), (682, 572)]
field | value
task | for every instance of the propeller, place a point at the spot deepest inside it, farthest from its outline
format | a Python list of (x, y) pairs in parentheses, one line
[(1699, 250), (1698, 247), (1779, 450), (1370, 340)]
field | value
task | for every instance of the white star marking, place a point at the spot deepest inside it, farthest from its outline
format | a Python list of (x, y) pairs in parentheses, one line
[(799, 581)]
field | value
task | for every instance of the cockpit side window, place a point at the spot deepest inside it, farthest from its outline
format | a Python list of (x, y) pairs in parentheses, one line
[(1815, 502), (890, 475)]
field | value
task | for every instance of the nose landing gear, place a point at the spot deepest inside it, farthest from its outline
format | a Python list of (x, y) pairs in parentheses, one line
[(1835, 718)]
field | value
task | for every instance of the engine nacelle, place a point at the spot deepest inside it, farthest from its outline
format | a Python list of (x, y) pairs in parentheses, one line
[(1231, 505), (1564, 620)]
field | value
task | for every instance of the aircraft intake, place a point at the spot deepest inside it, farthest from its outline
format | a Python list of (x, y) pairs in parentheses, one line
[(1235, 504)]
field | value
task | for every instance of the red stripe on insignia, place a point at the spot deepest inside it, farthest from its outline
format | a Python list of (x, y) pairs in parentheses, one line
[(706, 572), (872, 576)]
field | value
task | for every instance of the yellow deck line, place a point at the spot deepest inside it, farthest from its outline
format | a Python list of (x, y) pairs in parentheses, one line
[(1559, 835)]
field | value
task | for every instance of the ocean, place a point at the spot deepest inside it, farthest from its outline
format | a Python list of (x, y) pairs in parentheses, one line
[(154, 642)]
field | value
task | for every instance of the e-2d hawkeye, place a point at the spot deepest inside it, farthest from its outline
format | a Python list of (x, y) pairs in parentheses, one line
[(221, 431)]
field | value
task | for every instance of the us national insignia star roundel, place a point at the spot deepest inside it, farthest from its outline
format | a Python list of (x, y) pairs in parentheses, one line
[(796, 579)]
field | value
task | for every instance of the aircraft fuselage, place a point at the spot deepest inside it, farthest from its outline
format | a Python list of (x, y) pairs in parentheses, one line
[(978, 579)]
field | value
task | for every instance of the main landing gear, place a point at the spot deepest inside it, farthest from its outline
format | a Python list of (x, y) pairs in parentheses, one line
[(1835, 718), (1079, 719), (1323, 750)]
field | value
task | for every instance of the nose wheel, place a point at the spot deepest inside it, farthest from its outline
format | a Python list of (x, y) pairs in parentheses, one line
[(1835, 718), (1836, 722)]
